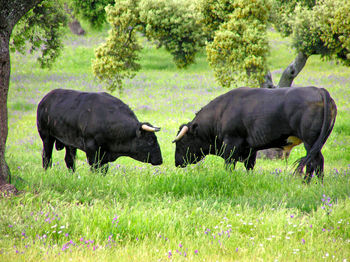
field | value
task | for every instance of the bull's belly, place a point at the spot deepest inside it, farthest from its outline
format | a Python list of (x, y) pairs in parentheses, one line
[(71, 140), (287, 143)]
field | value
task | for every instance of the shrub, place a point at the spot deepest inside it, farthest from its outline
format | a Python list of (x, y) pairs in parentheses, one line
[(240, 47)]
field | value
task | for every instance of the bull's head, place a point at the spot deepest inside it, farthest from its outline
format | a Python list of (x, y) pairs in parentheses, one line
[(146, 147), (190, 147)]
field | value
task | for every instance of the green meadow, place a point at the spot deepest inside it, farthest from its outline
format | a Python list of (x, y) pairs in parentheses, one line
[(139, 212)]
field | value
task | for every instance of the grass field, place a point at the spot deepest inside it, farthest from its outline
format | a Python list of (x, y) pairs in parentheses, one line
[(139, 212)]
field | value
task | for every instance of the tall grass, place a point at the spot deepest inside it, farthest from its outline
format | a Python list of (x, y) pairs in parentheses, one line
[(137, 212)]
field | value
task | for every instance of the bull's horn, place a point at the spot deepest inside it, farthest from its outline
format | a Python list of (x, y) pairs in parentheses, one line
[(181, 134), (150, 128)]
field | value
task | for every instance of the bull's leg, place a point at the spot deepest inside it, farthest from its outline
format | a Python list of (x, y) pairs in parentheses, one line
[(319, 165), (299, 170), (230, 164), (104, 168), (48, 142), (231, 152), (250, 162), (71, 153), (230, 159), (98, 161), (315, 166), (91, 157), (308, 173)]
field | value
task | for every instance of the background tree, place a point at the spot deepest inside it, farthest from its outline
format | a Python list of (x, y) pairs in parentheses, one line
[(41, 30), (92, 11), (171, 23), (236, 35), (38, 29), (117, 58), (316, 28), (239, 50), (10, 13), (174, 25)]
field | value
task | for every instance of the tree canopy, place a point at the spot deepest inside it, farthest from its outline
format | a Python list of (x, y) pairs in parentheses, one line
[(92, 11), (316, 28), (239, 49), (41, 30), (171, 23), (233, 31)]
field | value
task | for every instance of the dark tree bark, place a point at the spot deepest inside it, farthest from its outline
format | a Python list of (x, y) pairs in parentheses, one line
[(293, 70), (74, 25), (11, 12), (268, 83), (4, 85)]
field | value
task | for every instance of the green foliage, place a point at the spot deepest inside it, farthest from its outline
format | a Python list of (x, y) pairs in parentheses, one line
[(116, 58), (235, 32), (324, 30), (240, 47), (92, 11), (304, 39), (173, 24), (41, 29), (282, 13), (333, 26), (321, 27), (213, 14)]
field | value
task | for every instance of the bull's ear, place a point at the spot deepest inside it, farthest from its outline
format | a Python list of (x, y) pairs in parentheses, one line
[(194, 129)]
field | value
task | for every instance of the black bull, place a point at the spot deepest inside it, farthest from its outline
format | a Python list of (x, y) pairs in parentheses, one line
[(97, 123), (237, 124)]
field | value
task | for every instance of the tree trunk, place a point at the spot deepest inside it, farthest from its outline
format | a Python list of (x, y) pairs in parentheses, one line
[(268, 83), (4, 86), (11, 12), (293, 70), (74, 25)]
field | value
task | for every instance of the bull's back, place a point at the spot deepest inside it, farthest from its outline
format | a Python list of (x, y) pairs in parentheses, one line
[(72, 116), (58, 108), (255, 112)]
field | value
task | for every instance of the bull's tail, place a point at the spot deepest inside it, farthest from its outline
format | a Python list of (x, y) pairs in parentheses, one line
[(329, 115)]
